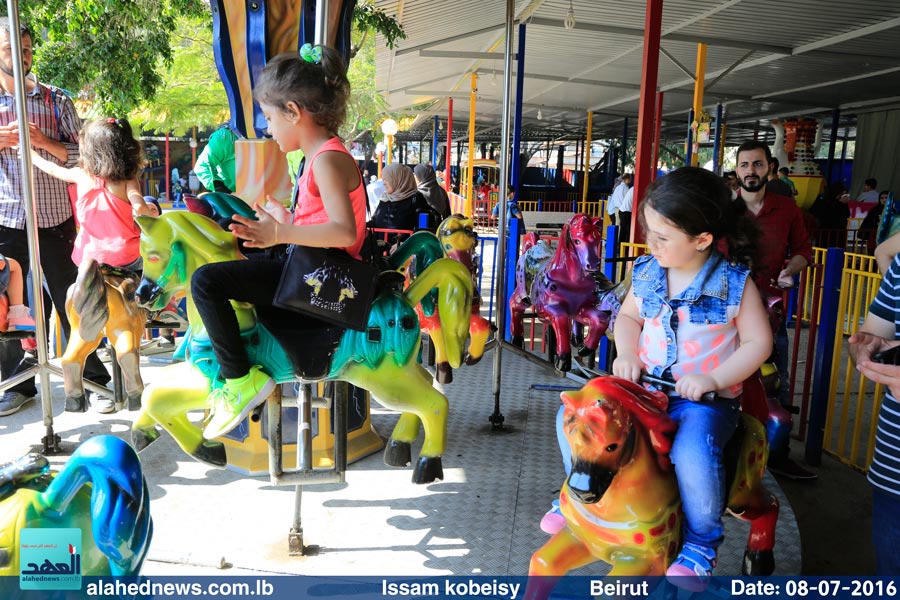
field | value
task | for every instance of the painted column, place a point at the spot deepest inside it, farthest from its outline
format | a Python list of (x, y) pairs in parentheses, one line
[(700, 73), (470, 191), (656, 134), (447, 185), (652, 28), (516, 166), (587, 161)]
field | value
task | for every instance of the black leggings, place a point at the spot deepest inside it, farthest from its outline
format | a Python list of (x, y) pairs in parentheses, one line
[(308, 341)]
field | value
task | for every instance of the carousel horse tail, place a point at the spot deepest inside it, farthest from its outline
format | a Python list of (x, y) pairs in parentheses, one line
[(120, 504), (454, 303), (87, 300)]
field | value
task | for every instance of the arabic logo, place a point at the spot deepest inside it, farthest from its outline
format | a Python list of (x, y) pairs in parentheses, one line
[(72, 568), (49, 559)]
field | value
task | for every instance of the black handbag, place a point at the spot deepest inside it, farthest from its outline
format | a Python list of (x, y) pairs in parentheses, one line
[(328, 284)]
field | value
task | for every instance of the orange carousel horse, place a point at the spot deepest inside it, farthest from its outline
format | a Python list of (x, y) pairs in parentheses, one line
[(625, 508), (101, 303)]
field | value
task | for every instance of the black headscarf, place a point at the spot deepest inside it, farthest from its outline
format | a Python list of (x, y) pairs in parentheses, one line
[(434, 195)]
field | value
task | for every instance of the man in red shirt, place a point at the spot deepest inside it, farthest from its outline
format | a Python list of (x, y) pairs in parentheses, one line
[(783, 237)]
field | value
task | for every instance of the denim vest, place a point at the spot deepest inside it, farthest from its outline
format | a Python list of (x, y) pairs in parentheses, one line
[(701, 318)]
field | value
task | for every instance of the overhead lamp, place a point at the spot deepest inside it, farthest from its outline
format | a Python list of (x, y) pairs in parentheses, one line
[(440, 125), (390, 127), (569, 23), (540, 114)]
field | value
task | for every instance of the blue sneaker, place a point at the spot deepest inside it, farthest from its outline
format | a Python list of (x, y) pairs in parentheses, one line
[(692, 568)]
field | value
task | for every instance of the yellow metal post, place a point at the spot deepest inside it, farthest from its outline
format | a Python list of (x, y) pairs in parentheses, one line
[(587, 161), (698, 95), (470, 188)]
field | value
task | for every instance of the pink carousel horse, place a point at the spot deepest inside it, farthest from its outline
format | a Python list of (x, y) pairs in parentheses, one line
[(563, 289)]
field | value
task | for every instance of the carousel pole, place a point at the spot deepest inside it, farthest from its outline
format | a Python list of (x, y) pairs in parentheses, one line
[(496, 418), (50, 441)]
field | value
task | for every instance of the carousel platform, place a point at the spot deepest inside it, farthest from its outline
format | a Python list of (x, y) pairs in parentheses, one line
[(481, 520)]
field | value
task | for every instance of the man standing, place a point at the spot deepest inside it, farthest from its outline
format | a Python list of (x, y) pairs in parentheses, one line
[(783, 236), (53, 128), (618, 194), (776, 185)]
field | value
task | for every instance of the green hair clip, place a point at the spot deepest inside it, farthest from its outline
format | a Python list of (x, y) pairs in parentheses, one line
[(311, 53)]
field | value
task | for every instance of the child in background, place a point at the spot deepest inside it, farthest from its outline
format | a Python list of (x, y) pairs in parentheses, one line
[(108, 193), (696, 316), (512, 207), (19, 316), (304, 100)]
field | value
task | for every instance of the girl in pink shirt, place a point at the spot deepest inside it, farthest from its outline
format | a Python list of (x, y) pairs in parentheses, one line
[(109, 194)]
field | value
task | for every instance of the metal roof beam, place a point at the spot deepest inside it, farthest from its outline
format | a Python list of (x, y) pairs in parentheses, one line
[(847, 36), (827, 83), (676, 62), (447, 40), (463, 54), (673, 36), (563, 79)]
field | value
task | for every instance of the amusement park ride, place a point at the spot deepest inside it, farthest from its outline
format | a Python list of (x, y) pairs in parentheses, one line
[(436, 295)]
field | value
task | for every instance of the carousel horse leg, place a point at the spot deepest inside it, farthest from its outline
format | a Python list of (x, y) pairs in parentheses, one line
[(479, 332), (562, 326), (129, 359), (516, 323), (759, 557), (167, 403), (398, 453), (562, 553), (77, 351), (125, 329), (408, 388), (443, 373)]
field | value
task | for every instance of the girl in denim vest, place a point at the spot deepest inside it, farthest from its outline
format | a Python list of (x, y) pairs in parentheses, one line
[(696, 316)]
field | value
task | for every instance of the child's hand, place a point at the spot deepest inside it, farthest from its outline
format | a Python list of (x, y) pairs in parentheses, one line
[(256, 234), (693, 386), (274, 209), (628, 367)]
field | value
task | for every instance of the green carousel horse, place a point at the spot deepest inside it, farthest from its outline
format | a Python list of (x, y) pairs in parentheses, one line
[(381, 359)]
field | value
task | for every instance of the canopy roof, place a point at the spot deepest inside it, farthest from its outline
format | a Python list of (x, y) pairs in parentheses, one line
[(766, 59)]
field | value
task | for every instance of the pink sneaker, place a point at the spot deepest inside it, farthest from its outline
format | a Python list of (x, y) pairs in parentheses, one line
[(692, 568), (553, 522), (19, 318)]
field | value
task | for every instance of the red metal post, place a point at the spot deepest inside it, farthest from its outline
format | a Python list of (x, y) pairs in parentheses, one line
[(447, 184), (652, 28), (168, 175), (656, 141)]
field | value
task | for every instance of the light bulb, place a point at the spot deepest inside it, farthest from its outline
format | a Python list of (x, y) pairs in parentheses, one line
[(440, 125), (569, 23), (540, 114)]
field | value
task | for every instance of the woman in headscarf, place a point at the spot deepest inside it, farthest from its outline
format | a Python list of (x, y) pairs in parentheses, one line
[(437, 204), (397, 209)]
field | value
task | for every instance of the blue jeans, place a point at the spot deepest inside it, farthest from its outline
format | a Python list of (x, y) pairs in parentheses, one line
[(886, 531), (703, 430), (782, 356)]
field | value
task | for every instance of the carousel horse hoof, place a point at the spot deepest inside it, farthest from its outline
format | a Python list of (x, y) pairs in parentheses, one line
[(585, 351), (397, 454), (472, 360), (76, 404), (563, 362), (211, 453), (758, 562), (141, 438), (443, 372), (428, 469), (518, 340), (133, 402)]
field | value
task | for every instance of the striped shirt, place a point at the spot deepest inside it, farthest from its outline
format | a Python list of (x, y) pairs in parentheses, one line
[(884, 472), (53, 111)]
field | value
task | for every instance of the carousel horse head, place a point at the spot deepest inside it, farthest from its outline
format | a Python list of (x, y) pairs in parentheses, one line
[(582, 236), (173, 245), (115, 507), (601, 423), (457, 235)]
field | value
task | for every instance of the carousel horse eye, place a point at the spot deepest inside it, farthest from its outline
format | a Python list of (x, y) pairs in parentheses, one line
[(612, 447), (153, 258), (577, 242), (391, 323)]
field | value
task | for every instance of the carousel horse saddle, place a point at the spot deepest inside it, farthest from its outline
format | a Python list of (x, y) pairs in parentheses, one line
[(21, 470)]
